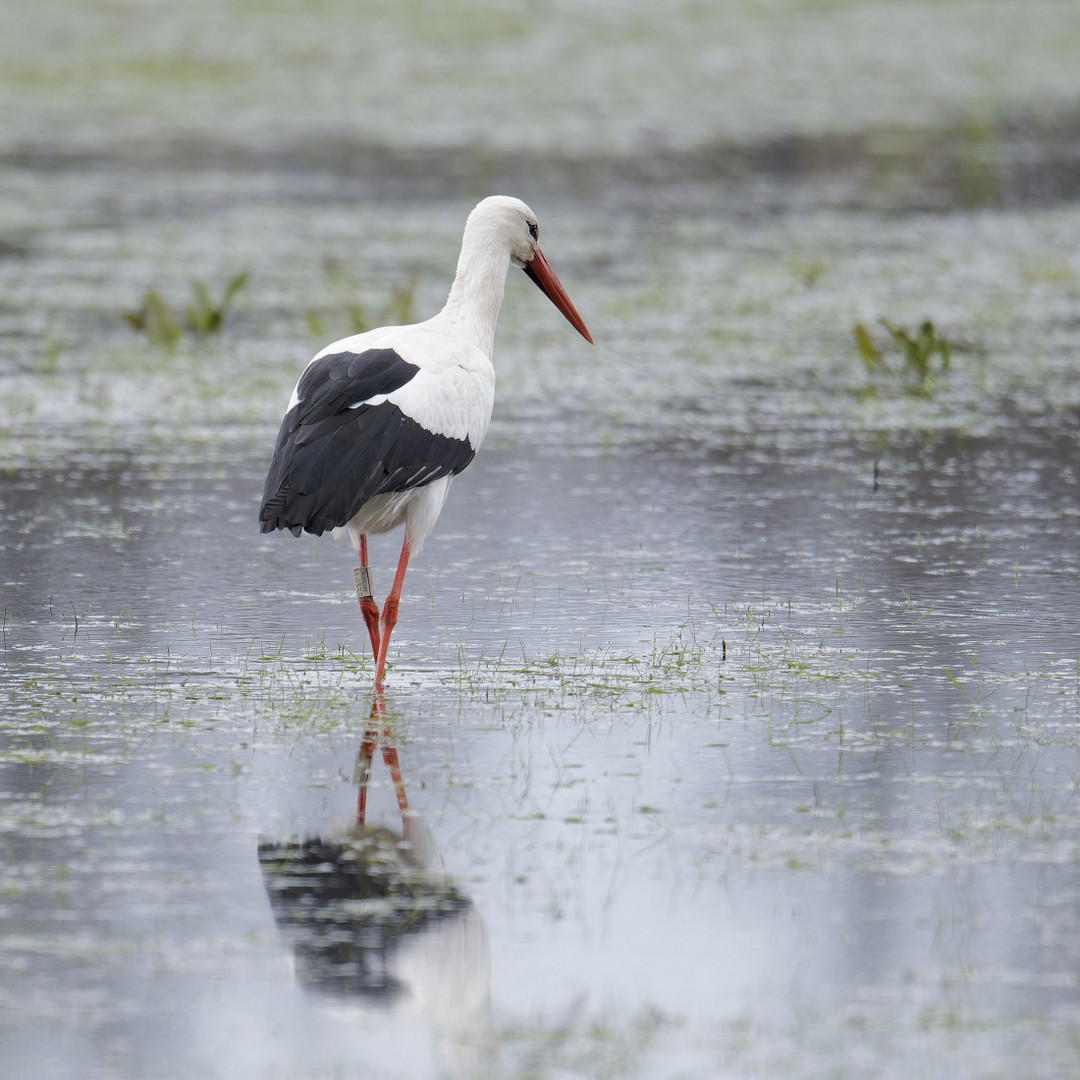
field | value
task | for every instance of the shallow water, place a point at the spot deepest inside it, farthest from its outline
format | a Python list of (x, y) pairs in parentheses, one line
[(854, 837), (736, 695)]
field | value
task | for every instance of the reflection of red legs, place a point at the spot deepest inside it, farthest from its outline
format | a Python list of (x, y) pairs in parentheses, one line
[(368, 608), (389, 614), (389, 756), (363, 770), (371, 739)]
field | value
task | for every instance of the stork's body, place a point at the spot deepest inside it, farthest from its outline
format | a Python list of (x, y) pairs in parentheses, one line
[(380, 423)]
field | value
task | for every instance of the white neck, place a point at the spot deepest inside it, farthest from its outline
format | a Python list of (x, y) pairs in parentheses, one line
[(477, 292)]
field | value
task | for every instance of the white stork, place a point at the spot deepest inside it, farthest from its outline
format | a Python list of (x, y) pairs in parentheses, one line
[(381, 422)]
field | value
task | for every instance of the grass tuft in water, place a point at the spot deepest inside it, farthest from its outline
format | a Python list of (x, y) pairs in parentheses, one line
[(203, 316), (924, 356), (398, 310)]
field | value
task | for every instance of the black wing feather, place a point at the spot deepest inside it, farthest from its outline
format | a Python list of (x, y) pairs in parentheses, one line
[(330, 459)]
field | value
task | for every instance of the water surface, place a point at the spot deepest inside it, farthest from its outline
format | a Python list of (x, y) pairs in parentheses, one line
[(736, 695)]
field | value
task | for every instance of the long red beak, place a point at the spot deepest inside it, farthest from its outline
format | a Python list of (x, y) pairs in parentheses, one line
[(541, 273)]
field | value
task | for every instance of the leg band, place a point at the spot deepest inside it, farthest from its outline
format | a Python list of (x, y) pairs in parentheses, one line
[(364, 587)]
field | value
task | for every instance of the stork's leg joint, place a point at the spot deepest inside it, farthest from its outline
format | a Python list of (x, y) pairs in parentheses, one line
[(389, 612)]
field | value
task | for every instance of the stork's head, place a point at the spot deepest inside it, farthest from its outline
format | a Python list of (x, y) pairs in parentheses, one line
[(509, 223)]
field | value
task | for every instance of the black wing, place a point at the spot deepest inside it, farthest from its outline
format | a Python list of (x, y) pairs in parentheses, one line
[(332, 454)]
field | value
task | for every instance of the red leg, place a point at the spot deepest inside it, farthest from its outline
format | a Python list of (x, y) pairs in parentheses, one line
[(389, 613), (368, 608)]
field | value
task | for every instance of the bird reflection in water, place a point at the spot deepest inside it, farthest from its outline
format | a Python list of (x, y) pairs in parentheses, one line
[(374, 920)]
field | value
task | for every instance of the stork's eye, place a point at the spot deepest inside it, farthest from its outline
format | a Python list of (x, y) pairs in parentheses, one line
[(534, 231)]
